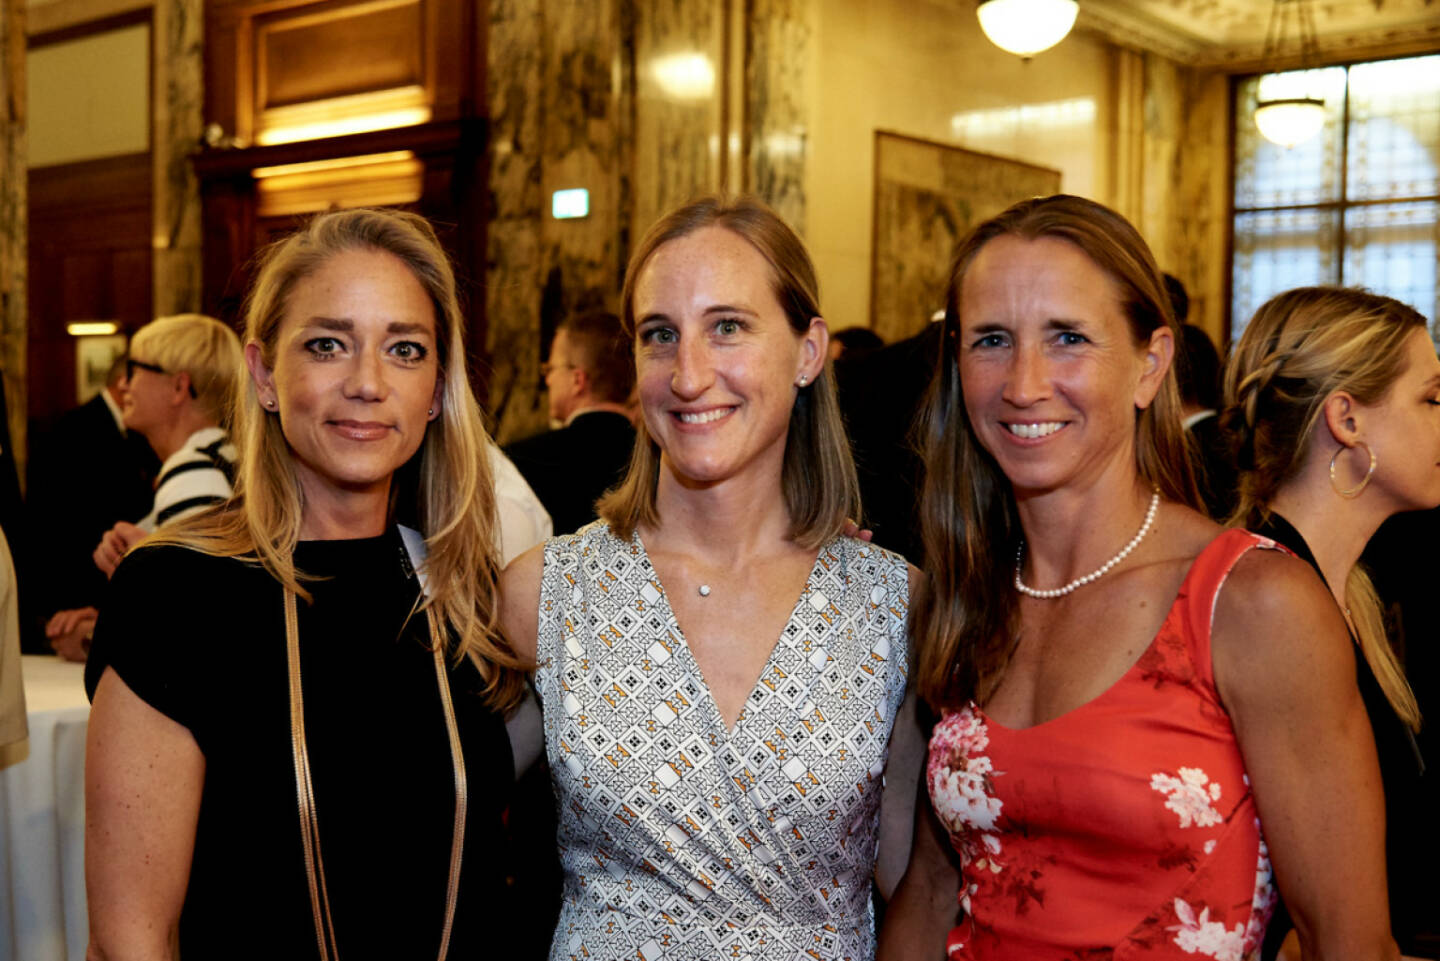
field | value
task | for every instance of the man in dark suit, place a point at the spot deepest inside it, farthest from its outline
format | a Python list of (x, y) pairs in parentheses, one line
[(589, 377), (86, 473), (881, 395), (1197, 376)]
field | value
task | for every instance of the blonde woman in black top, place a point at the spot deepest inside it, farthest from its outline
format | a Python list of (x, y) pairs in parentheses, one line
[(297, 644)]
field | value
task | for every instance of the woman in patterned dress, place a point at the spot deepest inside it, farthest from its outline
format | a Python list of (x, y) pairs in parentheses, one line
[(1115, 728), (720, 668)]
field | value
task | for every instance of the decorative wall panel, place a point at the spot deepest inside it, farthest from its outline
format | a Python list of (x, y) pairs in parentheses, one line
[(927, 197)]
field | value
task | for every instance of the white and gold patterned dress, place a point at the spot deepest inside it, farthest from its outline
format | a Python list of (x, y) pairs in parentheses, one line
[(681, 839)]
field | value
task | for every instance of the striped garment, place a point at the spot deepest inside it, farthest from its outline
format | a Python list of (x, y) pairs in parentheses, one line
[(196, 476)]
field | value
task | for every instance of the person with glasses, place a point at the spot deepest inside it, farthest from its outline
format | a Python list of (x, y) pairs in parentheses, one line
[(178, 379), (588, 380)]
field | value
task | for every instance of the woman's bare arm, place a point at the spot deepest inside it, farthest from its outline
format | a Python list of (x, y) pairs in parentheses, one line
[(520, 602), (143, 778), (925, 907), (899, 797), (1285, 668)]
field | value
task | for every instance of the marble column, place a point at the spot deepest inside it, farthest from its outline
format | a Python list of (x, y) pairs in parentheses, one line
[(514, 272), (560, 103), (1127, 189), (14, 223), (1182, 187), (681, 103), (779, 83), (177, 102)]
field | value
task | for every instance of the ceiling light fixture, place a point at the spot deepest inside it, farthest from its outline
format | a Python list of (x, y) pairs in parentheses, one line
[(1026, 27), (1290, 120)]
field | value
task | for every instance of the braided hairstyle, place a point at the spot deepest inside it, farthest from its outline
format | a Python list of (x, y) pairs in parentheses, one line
[(1300, 348)]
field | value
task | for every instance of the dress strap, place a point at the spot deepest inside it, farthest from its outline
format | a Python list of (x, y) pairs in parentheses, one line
[(1201, 590)]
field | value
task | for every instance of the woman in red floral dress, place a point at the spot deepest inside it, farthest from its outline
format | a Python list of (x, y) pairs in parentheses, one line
[(1135, 748)]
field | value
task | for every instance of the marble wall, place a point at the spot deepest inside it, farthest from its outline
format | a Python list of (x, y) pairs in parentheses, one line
[(559, 117), (922, 68), (682, 104), (1183, 182), (780, 39), (14, 225), (177, 104), (649, 102)]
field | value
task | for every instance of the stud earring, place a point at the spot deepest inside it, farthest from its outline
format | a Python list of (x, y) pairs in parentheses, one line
[(430, 412), (802, 381), (270, 403)]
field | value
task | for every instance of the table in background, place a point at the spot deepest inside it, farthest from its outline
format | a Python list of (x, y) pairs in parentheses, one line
[(42, 821)]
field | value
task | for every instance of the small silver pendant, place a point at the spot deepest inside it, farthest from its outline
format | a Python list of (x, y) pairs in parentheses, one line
[(704, 590)]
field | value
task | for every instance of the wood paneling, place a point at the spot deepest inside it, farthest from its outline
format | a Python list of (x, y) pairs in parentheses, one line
[(284, 54), (299, 63), (89, 259), (341, 50)]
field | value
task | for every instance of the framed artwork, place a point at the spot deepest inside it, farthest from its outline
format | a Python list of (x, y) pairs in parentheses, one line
[(93, 357), (927, 197)]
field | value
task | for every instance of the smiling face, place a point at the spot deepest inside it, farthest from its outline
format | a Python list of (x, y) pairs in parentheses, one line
[(1403, 430), (717, 361), (355, 373), (1051, 373)]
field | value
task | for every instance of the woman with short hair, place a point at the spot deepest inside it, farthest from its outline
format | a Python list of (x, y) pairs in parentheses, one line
[(297, 735), (179, 377), (720, 667)]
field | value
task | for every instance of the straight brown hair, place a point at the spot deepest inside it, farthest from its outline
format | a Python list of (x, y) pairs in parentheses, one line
[(818, 478), (963, 623)]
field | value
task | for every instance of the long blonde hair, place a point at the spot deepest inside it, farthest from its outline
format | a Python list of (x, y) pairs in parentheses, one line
[(963, 623), (817, 480), (1301, 347), (455, 497)]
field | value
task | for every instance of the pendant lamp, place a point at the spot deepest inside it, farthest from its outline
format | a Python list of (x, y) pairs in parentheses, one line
[(1290, 120), (1026, 27)]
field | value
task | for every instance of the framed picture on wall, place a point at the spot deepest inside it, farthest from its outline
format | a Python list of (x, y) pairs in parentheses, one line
[(93, 358), (927, 197)]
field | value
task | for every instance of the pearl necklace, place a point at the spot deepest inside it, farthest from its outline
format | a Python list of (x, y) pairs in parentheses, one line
[(1095, 575)]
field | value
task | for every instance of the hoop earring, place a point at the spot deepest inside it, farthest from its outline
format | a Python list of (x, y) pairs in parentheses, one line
[(1353, 491)]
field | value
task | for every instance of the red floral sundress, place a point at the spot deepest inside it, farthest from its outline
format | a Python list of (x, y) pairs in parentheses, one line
[(1123, 829)]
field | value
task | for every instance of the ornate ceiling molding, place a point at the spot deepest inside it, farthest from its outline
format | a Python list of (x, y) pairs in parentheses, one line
[(1229, 35)]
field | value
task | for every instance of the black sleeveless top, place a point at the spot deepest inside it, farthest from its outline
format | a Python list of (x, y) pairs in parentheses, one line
[(1410, 834), (202, 640)]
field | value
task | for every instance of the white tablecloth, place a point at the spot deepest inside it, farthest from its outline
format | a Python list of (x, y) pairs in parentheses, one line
[(42, 821)]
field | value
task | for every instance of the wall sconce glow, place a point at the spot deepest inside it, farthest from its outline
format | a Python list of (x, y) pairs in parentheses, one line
[(570, 204), (1291, 121), (348, 125), (685, 76), (92, 328), (1008, 121), (1026, 27)]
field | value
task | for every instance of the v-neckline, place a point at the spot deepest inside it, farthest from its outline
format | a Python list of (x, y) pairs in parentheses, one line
[(674, 624)]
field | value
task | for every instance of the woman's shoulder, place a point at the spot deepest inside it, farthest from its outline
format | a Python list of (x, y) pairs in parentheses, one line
[(176, 564), (857, 551)]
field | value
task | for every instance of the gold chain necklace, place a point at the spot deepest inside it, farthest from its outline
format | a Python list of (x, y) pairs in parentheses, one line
[(305, 790)]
